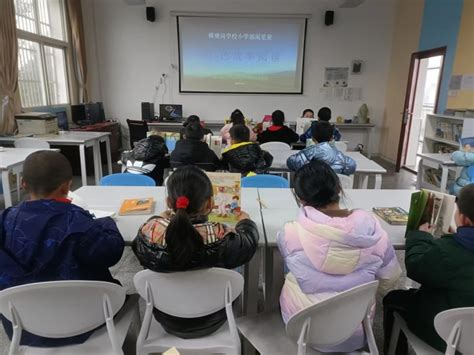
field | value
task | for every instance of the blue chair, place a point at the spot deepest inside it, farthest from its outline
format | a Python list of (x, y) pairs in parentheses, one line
[(127, 179), (265, 181), (470, 173)]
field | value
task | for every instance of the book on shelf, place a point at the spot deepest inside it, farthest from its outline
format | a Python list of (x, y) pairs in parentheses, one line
[(448, 130), (227, 197), (392, 215), (433, 207), (443, 148), (136, 206)]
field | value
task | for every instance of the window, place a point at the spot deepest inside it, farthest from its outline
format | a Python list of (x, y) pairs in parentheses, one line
[(42, 45)]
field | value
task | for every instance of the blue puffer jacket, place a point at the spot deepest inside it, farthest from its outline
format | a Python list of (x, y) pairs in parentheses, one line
[(309, 133), (465, 159), (340, 163)]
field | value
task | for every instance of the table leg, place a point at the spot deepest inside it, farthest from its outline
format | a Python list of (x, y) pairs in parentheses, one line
[(363, 181), (109, 154), (274, 277), (82, 156), (6, 188), (369, 142), (97, 162), (444, 178), (419, 176), (251, 273), (378, 181)]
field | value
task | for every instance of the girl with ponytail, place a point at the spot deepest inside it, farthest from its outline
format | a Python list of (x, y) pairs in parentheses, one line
[(183, 239)]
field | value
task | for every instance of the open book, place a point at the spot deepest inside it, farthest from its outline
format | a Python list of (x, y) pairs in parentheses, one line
[(227, 202), (392, 215), (136, 206), (432, 207)]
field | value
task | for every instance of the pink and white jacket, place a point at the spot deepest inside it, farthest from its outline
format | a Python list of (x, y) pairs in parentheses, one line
[(327, 255)]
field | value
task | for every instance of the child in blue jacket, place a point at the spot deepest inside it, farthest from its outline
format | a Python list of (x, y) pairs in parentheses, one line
[(324, 114), (49, 239), (465, 158)]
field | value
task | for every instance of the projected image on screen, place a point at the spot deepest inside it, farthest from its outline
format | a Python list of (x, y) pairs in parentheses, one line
[(241, 55)]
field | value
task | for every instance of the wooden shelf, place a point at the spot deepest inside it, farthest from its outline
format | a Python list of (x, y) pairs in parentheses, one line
[(442, 140)]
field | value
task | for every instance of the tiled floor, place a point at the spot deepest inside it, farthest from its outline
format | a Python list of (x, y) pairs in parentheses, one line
[(128, 265)]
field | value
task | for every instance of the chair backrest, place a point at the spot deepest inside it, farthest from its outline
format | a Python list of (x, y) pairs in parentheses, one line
[(127, 179), (30, 142), (334, 319), (189, 294), (347, 182), (470, 173), (265, 181), (60, 308), (456, 327), (137, 131), (341, 146), (275, 146)]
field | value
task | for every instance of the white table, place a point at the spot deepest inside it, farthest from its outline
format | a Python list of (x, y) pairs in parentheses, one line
[(364, 169), (11, 160), (277, 199), (441, 160), (81, 140)]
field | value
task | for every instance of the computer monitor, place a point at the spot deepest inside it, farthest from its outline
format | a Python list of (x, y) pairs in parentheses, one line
[(170, 112), (63, 124)]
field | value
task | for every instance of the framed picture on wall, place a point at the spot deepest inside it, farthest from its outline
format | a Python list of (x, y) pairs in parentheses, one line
[(356, 67)]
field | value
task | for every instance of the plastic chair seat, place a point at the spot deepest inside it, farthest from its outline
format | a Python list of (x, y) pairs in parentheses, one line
[(221, 341), (266, 332), (265, 181), (127, 179), (98, 342)]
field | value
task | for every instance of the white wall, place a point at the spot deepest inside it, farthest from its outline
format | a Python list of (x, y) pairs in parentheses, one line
[(127, 55)]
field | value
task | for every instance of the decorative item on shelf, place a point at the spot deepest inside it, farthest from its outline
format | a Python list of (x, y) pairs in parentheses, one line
[(363, 114), (360, 148), (340, 119), (355, 119), (348, 120)]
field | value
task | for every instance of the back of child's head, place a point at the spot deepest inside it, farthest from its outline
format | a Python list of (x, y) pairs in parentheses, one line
[(239, 133), (322, 131), (45, 171), (194, 131), (324, 114), (149, 148), (317, 185), (191, 119), (237, 117), (189, 190), (309, 112), (278, 118), (465, 201)]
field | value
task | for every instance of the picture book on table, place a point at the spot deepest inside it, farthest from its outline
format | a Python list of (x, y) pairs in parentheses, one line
[(170, 138), (432, 207), (392, 215), (227, 201), (136, 206)]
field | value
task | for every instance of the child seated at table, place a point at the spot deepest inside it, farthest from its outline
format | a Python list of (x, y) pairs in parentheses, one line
[(183, 239), (445, 269), (324, 115), (149, 157), (330, 249), (191, 150), (243, 156), (48, 239), (323, 150), (236, 117), (193, 119), (465, 158), (278, 132)]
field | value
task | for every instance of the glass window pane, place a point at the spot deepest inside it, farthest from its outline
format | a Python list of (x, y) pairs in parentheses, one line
[(56, 75), (435, 62), (50, 17), (30, 74), (26, 15)]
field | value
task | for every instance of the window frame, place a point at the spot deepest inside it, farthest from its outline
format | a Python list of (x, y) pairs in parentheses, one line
[(43, 41)]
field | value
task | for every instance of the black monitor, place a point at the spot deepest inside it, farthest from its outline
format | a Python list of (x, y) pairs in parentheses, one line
[(170, 112), (61, 116)]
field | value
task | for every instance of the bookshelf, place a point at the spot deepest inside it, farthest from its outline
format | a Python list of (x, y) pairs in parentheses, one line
[(440, 138)]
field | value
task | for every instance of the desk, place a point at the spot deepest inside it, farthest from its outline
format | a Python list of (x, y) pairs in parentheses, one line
[(274, 199), (365, 167), (438, 160), (11, 160), (82, 140)]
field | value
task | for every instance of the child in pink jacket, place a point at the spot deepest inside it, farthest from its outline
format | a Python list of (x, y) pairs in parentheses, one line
[(329, 249), (236, 117)]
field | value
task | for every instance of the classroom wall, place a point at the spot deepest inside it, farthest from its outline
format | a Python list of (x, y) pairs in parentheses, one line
[(464, 59), (127, 55)]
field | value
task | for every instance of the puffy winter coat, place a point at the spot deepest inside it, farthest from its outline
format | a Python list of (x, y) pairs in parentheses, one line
[(465, 159), (340, 163), (309, 133), (278, 134), (225, 133), (246, 158), (194, 152), (328, 255)]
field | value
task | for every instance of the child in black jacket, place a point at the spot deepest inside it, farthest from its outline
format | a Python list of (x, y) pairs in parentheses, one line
[(278, 132)]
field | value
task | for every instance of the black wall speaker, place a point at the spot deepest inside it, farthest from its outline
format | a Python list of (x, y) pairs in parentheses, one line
[(329, 18), (150, 13), (148, 111)]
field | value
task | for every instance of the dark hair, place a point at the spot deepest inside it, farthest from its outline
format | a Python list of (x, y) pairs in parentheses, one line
[(191, 119), (44, 171), (239, 133), (194, 131), (322, 131), (324, 114), (317, 185), (237, 117), (278, 118), (182, 239), (465, 201), (308, 110)]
